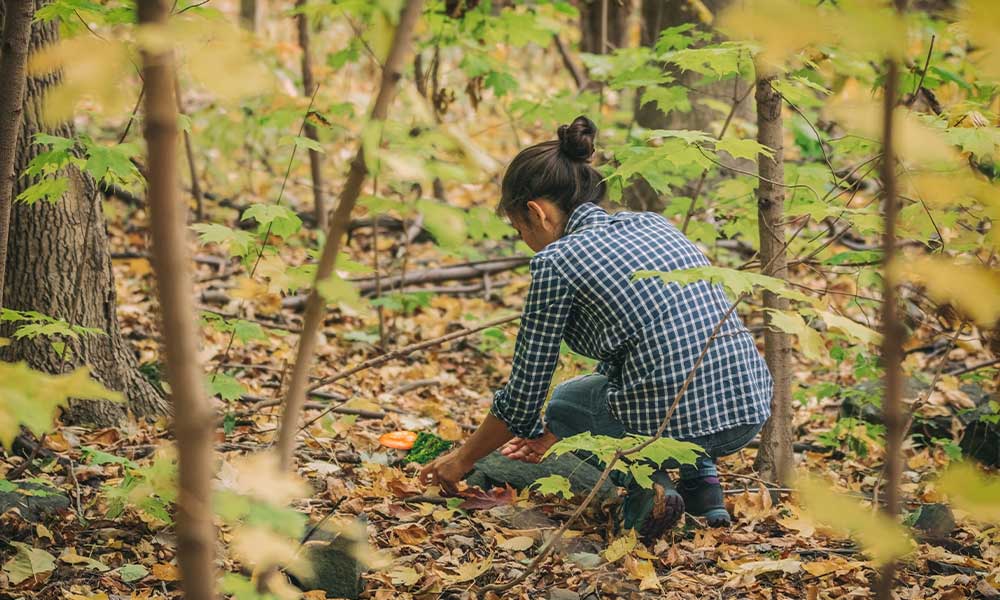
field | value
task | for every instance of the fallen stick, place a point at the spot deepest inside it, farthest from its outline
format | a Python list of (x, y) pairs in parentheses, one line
[(374, 362), (261, 403), (405, 350)]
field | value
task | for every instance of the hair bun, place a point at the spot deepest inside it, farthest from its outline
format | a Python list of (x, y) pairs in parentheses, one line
[(576, 140)]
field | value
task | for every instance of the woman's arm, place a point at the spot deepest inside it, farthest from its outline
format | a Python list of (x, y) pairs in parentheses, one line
[(447, 470)]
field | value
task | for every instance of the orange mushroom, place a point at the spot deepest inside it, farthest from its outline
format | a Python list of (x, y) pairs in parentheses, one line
[(400, 440)]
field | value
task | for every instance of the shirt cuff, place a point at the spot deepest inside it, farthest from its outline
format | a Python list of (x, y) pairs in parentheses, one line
[(519, 428)]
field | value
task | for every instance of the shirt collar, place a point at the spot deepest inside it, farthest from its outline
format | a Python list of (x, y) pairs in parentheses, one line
[(585, 216)]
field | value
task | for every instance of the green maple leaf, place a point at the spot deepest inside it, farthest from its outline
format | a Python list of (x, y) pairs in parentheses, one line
[(30, 398), (282, 220), (553, 484)]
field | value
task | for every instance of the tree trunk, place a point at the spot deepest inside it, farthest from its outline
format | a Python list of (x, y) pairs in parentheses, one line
[(774, 458), (338, 227), (591, 25), (655, 16), (251, 13), (15, 22), (193, 416), (309, 87), (892, 327), (58, 264)]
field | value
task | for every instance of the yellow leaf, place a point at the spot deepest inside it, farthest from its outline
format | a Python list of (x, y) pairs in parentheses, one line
[(166, 572), (263, 548), (517, 544), (882, 537), (982, 21), (973, 289), (90, 68), (30, 398), (855, 331), (470, 570), (620, 547), (258, 476), (818, 568), (972, 491), (916, 142), (407, 576), (756, 567), (643, 571), (450, 430), (248, 289), (810, 341)]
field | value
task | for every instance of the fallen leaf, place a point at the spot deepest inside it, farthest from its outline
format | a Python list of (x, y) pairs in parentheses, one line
[(620, 547), (166, 572), (28, 562), (407, 576), (450, 430), (644, 571), (477, 499), (517, 544), (470, 570), (70, 557)]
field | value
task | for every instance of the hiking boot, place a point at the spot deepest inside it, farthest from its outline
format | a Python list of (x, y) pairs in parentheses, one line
[(703, 498), (652, 512)]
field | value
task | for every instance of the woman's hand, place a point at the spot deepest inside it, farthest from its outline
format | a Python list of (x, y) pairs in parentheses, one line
[(446, 471), (529, 450)]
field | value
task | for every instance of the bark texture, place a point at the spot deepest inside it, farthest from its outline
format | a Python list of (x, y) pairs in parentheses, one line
[(193, 416), (391, 74), (774, 458), (655, 16), (58, 264), (15, 22), (591, 25), (309, 87)]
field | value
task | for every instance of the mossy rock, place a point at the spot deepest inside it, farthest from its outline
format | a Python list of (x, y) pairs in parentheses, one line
[(496, 470)]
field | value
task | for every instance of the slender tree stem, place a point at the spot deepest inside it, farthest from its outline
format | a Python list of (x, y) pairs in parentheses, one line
[(892, 328), (193, 416), (341, 218)]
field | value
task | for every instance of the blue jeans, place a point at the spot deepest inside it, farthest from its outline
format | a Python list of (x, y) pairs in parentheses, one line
[(581, 404)]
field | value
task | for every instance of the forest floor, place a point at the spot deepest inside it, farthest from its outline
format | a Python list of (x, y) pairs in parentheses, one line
[(770, 551)]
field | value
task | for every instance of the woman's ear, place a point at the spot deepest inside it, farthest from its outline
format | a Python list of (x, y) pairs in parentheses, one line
[(536, 214)]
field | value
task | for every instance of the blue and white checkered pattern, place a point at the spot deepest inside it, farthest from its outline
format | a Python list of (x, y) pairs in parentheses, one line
[(647, 335)]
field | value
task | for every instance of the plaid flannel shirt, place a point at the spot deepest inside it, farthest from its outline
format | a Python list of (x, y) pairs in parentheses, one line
[(647, 335)]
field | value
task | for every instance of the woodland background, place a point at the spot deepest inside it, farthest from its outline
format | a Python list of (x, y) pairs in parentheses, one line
[(241, 241)]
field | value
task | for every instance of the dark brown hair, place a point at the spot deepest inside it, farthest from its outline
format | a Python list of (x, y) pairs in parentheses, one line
[(558, 170)]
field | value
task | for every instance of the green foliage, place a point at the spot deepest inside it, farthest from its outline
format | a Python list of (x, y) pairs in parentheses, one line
[(224, 386), (150, 490), (853, 435), (553, 484), (29, 398), (41, 325), (111, 165), (640, 464), (427, 447), (736, 282)]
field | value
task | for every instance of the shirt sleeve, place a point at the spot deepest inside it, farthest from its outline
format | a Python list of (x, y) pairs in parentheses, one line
[(536, 350), (608, 369)]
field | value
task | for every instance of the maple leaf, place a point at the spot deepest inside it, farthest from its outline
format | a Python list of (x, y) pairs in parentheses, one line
[(477, 499)]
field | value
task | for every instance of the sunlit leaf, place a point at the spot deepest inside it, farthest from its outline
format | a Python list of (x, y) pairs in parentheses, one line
[(30, 398), (553, 484), (973, 289), (883, 538), (973, 491)]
